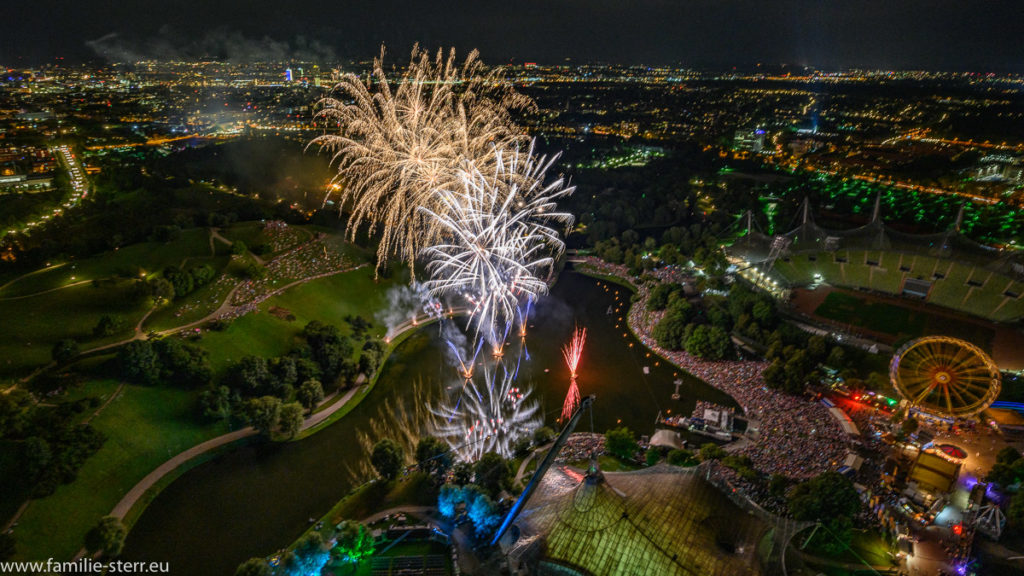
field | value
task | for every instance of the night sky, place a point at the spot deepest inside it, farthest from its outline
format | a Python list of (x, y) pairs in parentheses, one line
[(982, 35)]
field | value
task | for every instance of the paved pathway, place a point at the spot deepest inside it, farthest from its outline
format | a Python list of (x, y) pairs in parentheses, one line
[(34, 294)]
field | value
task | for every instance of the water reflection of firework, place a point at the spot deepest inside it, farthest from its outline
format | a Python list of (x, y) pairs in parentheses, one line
[(490, 413)]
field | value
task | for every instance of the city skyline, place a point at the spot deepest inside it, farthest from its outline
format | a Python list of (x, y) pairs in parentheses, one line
[(942, 35)]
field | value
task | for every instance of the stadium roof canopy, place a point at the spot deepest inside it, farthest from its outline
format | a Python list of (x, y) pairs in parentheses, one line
[(662, 520)]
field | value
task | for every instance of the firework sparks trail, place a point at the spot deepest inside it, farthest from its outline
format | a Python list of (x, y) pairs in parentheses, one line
[(498, 240), (400, 140), (572, 352)]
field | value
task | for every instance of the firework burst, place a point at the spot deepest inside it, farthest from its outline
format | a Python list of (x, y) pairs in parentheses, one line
[(400, 140), (498, 239)]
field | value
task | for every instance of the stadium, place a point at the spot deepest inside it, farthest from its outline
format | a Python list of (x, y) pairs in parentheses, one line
[(944, 269)]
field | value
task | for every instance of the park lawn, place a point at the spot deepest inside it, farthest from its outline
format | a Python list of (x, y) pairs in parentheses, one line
[(129, 261), (33, 325), (327, 299), (876, 316), (901, 322), (196, 305), (144, 427), (250, 233)]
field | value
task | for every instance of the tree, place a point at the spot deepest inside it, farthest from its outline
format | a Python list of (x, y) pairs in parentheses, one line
[(817, 348), (831, 499), (355, 541), (909, 426), (433, 456), (238, 248), (183, 363), (328, 348), (462, 473), (216, 403), (308, 556), (36, 456), (712, 451), (139, 362), (681, 458), (825, 496), (483, 513), (64, 350), (254, 567), (263, 413), (360, 326), (290, 419), (658, 299), (492, 472), (543, 435), (310, 394), (448, 499), (106, 326), (653, 456), (836, 358), (106, 536), (620, 442), (161, 289), (387, 458), (1008, 455)]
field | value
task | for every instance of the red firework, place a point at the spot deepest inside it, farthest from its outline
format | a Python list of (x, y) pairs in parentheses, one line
[(572, 353)]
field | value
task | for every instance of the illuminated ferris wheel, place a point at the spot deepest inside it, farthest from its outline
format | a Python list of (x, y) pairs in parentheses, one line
[(945, 376)]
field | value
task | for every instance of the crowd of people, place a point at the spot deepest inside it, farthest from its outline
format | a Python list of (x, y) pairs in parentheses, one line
[(580, 446), (796, 437), (309, 260)]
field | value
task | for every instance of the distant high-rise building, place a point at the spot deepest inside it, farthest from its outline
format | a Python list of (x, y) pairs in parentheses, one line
[(301, 75), (749, 140), (287, 74)]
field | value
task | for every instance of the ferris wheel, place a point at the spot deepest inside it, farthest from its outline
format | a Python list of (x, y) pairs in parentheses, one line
[(945, 376)]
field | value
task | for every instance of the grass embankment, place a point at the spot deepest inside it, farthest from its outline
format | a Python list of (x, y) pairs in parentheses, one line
[(328, 300), (127, 262), (33, 325), (144, 427), (37, 318)]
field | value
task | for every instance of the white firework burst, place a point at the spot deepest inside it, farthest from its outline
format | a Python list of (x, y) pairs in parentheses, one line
[(400, 141), (498, 238)]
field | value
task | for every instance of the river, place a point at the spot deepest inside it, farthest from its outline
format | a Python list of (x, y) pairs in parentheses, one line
[(258, 498)]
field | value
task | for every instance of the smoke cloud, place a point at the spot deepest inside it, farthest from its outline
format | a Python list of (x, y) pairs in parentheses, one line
[(220, 45)]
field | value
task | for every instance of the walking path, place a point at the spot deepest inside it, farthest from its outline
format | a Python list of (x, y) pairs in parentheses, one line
[(136, 492), (34, 294)]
